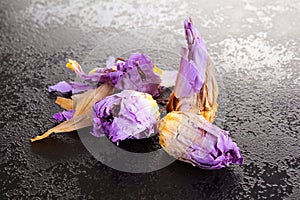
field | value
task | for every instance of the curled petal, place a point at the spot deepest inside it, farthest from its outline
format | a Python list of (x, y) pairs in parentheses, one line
[(190, 138), (110, 74), (128, 114), (137, 73), (193, 63), (74, 66)]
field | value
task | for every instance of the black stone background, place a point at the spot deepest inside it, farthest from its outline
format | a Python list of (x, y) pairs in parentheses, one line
[(255, 48)]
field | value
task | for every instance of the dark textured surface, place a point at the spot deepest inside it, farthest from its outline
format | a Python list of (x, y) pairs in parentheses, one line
[(255, 47)]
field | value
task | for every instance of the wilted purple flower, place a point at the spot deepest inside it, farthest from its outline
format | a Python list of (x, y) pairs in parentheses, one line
[(74, 87), (191, 75), (190, 138), (128, 114), (136, 73), (110, 74), (63, 116), (140, 75), (196, 88)]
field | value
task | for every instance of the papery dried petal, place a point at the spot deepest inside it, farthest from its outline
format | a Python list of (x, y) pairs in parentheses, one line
[(110, 74), (137, 73), (128, 114), (73, 124), (190, 138), (84, 102), (78, 87), (167, 78), (196, 88), (62, 86), (83, 111), (65, 103), (140, 75)]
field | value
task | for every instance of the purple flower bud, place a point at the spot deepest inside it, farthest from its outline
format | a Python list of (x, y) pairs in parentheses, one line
[(196, 88), (128, 114), (190, 138), (192, 69)]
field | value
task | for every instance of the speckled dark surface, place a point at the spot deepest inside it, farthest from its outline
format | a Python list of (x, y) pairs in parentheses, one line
[(255, 47)]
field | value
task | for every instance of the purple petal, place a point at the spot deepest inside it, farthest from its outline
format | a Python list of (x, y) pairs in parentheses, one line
[(80, 87), (63, 116), (101, 75), (128, 114), (74, 87), (191, 76), (139, 75), (167, 78), (62, 86), (110, 62), (189, 80), (136, 73)]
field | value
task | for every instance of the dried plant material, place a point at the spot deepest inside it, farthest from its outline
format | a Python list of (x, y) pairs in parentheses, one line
[(136, 73), (207, 98), (84, 102), (73, 124), (141, 75), (128, 114), (83, 111), (65, 103), (190, 138), (74, 87), (168, 78), (196, 88), (63, 116)]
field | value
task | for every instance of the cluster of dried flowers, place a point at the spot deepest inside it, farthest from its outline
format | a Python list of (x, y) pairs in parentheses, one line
[(118, 101)]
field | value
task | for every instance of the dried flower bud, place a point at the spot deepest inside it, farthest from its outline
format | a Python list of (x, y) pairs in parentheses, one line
[(190, 138), (128, 114), (196, 88)]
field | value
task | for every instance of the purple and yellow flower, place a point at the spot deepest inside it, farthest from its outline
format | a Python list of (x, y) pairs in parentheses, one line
[(196, 88), (137, 73), (110, 74), (140, 75), (126, 115), (190, 138), (74, 87)]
